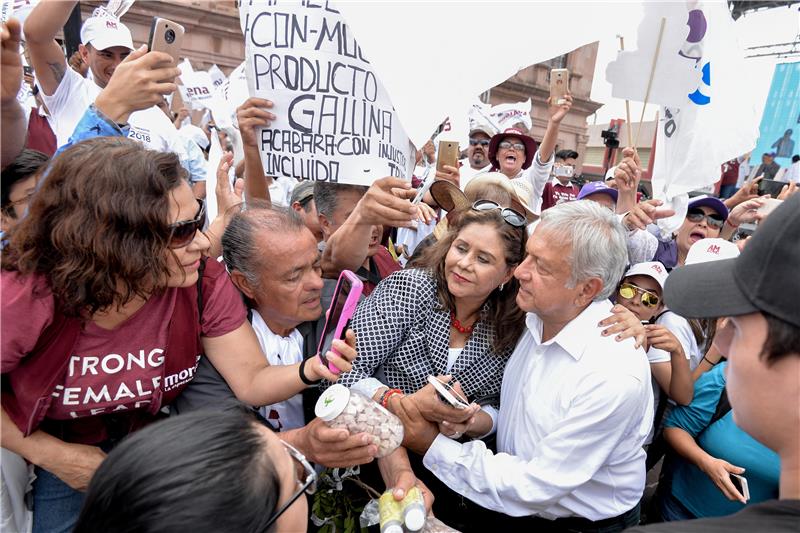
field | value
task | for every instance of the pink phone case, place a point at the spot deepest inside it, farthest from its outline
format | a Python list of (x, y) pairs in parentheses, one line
[(348, 308)]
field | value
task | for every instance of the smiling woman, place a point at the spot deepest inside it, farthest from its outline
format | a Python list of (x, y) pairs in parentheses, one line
[(455, 315)]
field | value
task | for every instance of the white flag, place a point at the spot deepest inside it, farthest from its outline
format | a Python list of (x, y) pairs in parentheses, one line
[(675, 74), (217, 76), (716, 120)]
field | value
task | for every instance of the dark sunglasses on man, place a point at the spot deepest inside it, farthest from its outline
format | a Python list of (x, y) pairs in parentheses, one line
[(482, 142), (183, 232), (509, 215), (712, 219)]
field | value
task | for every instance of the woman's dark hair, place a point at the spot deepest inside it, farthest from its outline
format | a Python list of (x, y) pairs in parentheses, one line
[(97, 229), (206, 471), (503, 312)]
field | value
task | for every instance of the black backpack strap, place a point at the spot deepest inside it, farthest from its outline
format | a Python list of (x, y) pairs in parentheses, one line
[(723, 407)]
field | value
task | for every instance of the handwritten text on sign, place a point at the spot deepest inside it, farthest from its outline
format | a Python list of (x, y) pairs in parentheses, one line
[(335, 121)]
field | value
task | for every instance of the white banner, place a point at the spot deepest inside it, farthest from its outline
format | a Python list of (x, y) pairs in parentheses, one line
[(335, 121), (505, 116), (463, 49), (716, 120)]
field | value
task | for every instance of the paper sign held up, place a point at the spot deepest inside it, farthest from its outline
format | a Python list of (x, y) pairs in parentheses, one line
[(335, 121)]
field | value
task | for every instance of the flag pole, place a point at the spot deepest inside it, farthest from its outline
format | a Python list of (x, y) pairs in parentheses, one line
[(650, 81), (627, 102)]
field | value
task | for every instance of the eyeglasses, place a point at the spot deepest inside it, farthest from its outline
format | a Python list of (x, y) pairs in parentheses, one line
[(182, 233), (482, 142), (509, 215), (306, 478), (629, 291), (713, 219), (519, 147)]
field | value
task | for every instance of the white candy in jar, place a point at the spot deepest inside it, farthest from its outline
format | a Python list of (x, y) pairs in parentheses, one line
[(341, 407)]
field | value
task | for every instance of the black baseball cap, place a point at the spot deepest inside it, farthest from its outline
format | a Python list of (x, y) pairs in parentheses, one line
[(763, 278)]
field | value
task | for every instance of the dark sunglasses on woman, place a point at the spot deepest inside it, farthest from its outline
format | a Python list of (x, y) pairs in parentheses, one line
[(509, 215), (712, 219), (183, 232)]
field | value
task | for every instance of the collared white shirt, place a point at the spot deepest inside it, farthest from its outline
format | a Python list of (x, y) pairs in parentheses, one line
[(279, 350), (574, 413), (537, 175)]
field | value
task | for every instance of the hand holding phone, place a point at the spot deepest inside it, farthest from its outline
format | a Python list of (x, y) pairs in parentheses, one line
[(344, 303), (740, 482), (559, 85), (447, 394), (166, 36)]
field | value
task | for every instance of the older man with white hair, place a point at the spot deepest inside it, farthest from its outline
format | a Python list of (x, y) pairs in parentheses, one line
[(575, 406)]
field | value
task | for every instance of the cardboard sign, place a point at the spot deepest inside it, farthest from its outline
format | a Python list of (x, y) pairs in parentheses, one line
[(335, 121)]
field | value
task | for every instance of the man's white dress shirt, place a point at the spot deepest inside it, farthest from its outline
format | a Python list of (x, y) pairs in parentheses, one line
[(574, 413)]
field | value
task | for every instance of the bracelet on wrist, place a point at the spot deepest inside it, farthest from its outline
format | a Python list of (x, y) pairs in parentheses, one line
[(707, 360), (388, 394), (303, 377)]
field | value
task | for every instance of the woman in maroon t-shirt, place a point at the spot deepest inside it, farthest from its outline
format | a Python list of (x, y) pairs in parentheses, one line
[(106, 266)]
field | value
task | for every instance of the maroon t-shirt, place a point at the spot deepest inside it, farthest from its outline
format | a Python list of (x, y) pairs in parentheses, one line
[(111, 370), (40, 134), (555, 194)]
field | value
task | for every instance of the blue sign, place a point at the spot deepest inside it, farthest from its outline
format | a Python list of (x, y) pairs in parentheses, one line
[(780, 124)]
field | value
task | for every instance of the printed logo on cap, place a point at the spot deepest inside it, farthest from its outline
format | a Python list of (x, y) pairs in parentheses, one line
[(713, 249), (111, 24), (657, 268)]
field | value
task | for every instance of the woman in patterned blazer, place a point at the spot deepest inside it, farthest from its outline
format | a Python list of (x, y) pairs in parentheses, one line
[(455, 316)]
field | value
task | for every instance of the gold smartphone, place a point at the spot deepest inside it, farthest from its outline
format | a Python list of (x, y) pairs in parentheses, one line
[(447, 155), (559, 85), (166, 36)]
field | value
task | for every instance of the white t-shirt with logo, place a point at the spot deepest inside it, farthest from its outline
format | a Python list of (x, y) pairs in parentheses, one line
[(75, 94), (287, 414)]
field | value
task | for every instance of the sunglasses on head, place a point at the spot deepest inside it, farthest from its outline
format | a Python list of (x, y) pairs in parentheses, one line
[(509, 215), (696, 214), (507, 145), (482, 142), (183, 232), (629, 290)]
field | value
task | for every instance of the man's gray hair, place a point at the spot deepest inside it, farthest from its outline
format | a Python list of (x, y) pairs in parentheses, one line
[(240, 251), (597, 240)]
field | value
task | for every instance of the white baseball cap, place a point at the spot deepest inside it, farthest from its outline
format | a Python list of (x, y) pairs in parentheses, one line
[(706, 250), (653, 269), (104, 32)]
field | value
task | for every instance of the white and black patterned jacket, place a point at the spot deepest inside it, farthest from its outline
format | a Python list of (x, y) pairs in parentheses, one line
[(401, 329)]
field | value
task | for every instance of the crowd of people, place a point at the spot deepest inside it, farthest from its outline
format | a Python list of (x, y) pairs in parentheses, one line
[(160, 369)]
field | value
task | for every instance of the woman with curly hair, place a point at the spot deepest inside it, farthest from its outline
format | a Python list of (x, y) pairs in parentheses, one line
[(108, 305)]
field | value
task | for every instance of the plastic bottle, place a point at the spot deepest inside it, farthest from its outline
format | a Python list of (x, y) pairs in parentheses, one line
[(341, 407), (413, 506), (391, 513)]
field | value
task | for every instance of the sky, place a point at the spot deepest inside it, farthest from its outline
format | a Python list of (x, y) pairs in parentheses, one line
[(771, 26)]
